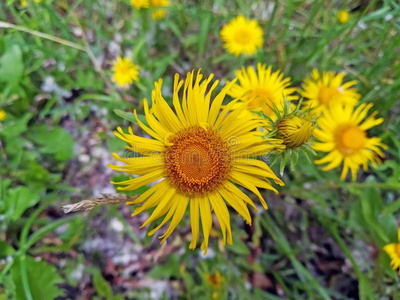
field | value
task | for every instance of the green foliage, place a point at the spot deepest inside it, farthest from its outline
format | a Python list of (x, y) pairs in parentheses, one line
[(35, 279), (11, 65), (17, 200), (56, 141)]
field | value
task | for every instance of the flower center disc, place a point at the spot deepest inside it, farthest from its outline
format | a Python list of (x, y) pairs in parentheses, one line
[(326, 94), (351, 139), (243, 37), (198, 160)]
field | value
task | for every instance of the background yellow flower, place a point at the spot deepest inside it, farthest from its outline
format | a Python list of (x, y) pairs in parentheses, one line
[(393, 250), (265, 89), (139, 4), (322, 90), (242, 36), (3, 115), (342, 133), (343, 16), (125, 72)]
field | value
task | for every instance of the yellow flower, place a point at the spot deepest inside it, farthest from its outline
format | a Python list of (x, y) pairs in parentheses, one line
[(321, 90), (125, 72), (215, 280), (343, 16), (343, 133), (265, 89), (197, 155), (393, 250), (159, 14), (295, 131), (3, 115), (241, 35), (159, 3), (24, 3), (139, 4)]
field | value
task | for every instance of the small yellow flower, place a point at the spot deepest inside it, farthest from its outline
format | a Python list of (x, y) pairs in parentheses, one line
[(322, 90), (3, 115), (295, 131), (343, 16), (24, 3), (193, 161), (242, 36), (265, 89), (215, 280), (159, 13), (342, 133), (393, 250), (125, 72), (139, 4)]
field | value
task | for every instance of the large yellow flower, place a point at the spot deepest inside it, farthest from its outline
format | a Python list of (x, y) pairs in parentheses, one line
[(323, 90), (265, 89), (198, 154), (393, 250), (242, 36), (343, 133), (125, 72)]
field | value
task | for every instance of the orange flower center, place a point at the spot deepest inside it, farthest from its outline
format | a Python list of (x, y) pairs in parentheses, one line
[(327, 94), (262, 98), (398, 249), (242, 36), (351, 139), (198, 160)]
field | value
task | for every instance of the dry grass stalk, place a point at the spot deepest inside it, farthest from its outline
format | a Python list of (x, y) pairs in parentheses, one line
[(89, 204)]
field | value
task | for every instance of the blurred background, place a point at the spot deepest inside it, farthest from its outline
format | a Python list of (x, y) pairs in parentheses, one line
[(320, 239)]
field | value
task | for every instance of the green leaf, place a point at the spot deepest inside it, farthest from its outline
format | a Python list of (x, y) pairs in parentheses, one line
[(5, 249), (391, 208), (170, 269), (11, 65), (15, 126), (129, 116), (42, 279), (206, 18), (18, 200), (115, 144), (101, 285), (55, 141), (239, 247)]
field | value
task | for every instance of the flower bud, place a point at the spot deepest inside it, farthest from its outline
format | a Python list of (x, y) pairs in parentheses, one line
[(295, 131)]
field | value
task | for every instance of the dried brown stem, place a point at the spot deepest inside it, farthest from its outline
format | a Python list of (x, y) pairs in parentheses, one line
[(89, 204)]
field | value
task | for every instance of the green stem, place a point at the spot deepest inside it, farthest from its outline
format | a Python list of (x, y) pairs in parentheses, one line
[(24, 277), (43, 35)]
